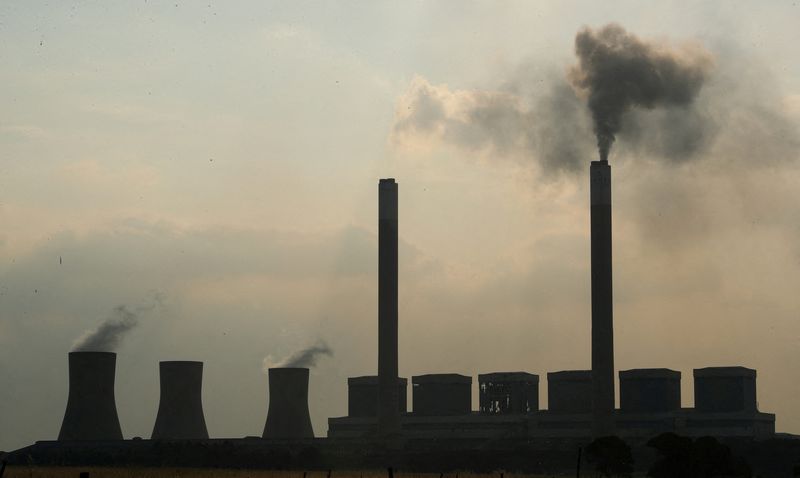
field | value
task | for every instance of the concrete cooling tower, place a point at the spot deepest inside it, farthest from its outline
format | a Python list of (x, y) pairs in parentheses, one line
[(91, 409), (180, 409), (288, 415)]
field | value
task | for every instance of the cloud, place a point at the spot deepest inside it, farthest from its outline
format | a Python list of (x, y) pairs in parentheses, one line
[(495, 123), (618, 72)]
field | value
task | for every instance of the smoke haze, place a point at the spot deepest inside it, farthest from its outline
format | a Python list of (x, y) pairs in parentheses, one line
[(305, 358), (274, 242), (642, 91), (109, 334), (619, 71)]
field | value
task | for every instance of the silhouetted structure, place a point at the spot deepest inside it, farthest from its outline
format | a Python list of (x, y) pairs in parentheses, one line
[(288, 415), (362, 396), (388, 414), (602, 301), (725, 389), (441, 394), (569, 391), (180, 409), (649, 390), (508, 392), (91, 409)]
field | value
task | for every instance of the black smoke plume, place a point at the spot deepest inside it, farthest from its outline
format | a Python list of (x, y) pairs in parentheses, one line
[(108, 335), (302, 358), (618, 71)]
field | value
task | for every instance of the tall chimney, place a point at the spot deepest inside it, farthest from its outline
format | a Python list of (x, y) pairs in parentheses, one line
[(288, 415), (388, 413), (602, 306), (180, 409), (91, 409)]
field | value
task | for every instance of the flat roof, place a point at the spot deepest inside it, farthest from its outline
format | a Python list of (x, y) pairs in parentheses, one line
[(441, 378), (508, 377), (649, 373), (735, 371), (569, 375), (370, 380)]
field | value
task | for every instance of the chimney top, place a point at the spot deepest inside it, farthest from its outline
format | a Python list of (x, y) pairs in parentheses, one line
[(387, 182), (96, 353)]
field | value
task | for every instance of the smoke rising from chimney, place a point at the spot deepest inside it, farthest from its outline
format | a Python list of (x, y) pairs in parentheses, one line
[(618, 71), (108, 335), (306, 357), (673, 108)]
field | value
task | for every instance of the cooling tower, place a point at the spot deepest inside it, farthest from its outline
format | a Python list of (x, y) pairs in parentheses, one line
[(180, 409), (388, 414), (288, 415), (91, 410), (602, 306)]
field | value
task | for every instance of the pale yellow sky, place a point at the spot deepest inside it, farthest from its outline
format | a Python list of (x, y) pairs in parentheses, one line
[(227, 155)]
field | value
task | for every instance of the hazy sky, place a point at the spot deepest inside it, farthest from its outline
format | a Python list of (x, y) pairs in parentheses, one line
[(224, 156)]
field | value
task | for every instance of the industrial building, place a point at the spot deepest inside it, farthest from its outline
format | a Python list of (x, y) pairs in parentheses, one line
[(508, 392), (581, 403), (362, 396), (649, 405)]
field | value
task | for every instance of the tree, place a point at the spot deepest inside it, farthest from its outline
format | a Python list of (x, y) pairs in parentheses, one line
[(703, 458), (611, 456)]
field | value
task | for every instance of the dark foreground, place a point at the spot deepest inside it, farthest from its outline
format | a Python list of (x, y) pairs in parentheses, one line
[(775, 457)]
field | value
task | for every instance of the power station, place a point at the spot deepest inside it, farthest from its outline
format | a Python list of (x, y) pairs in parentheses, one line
[(580, 403)]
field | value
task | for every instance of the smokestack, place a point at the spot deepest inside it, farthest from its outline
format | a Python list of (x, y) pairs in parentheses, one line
[(180, 410), (91, 410), (288, 415), (388, 414), (602, 306)]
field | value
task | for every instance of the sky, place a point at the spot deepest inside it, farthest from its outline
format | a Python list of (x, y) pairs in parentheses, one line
[(213, 167)]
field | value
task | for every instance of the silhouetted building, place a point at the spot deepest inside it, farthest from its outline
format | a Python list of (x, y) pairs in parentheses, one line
[(646, 411), (388, 399), (288, 415), (581, 402), (602, 300), (649, 390), (569, 391), (508, 392), (362, 396), (91, 408), (725, 389), (180, 409), (441, 394)]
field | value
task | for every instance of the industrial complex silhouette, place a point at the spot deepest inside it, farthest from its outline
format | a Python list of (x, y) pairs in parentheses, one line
[(581, 403)]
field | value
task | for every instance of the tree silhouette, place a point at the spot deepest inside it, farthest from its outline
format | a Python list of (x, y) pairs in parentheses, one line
[(611, 456), (703, 458)]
